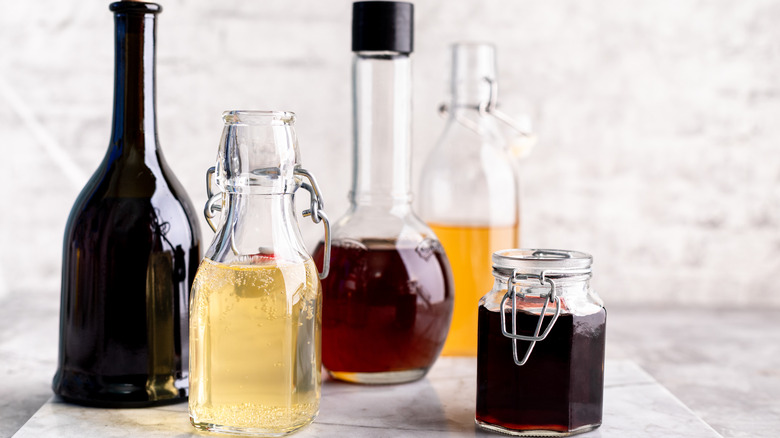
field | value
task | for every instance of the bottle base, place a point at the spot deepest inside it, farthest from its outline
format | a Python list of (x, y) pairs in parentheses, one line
[(121, 404), (535, 432), (127, 391), (382, 378), (246, 431)]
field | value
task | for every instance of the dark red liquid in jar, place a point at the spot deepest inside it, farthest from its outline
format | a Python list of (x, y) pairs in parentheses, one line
[(561, 386), (386, 306)]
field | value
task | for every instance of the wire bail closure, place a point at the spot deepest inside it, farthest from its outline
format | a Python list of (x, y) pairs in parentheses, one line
[(489, 107), (212, 207), (315, 211), (514, 292)]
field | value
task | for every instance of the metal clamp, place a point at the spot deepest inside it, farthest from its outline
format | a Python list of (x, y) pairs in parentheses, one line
[(551, 297), (317, 214), (315, 210), (512, 293), (444, 110), (489, 107), (209, 211)]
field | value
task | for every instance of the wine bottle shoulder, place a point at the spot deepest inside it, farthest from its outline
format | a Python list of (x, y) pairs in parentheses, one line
[(119, 195)]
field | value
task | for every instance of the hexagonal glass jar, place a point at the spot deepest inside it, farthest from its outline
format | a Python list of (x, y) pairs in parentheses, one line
[(540, 364)]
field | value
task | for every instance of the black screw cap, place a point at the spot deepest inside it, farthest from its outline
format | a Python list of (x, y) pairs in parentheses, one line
[(383, 26)]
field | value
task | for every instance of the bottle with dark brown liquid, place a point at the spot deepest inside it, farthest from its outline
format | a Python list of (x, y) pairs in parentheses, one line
[(387, 302), (389, 296), (131, 250), (543, 379)]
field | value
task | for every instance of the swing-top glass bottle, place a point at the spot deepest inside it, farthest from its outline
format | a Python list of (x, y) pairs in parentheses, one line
[(255, 314), (469, 187)]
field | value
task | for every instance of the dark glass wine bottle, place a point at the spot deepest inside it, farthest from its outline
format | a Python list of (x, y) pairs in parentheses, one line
[(131, 250)]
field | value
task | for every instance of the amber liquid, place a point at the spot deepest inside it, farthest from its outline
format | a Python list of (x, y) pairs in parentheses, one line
[(255, 347), (559, 389), (386, 310), (469, 250)]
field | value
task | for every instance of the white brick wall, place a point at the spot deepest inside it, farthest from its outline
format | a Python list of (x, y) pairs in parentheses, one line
[(657, 122)]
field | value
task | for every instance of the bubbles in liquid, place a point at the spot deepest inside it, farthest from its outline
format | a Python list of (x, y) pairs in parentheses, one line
[(248, 370)]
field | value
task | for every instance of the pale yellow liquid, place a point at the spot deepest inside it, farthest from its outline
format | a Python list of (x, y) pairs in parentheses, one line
[(255, 347), (469, 250)]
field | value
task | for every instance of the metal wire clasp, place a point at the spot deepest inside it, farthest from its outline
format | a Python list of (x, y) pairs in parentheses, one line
[(315, 210), (317, 214), (212, 205), (489, 107), (512, 293)]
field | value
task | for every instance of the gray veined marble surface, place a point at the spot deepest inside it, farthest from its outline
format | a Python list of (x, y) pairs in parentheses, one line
[(441, 405)]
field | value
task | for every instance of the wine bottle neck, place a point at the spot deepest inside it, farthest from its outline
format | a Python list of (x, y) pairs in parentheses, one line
[(134, 126)]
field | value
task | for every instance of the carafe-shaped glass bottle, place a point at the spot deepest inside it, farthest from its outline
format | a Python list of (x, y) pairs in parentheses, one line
[(130, 252), (255, 312), (468, 189), (387, 302)]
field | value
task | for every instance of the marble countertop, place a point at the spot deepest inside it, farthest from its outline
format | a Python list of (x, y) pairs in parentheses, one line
[(442, 404), (719, 366)]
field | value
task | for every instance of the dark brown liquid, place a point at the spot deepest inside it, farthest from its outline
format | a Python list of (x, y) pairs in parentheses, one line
[(561, 386), (131, 250), (128, 266), (385, 307)]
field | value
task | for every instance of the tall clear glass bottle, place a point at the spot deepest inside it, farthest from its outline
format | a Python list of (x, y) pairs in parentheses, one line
[(255, 314), (131, 249), (387, 302), (468, 189)]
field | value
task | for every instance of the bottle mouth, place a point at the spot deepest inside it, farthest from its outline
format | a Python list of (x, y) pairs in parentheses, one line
[(473, 45), (254, 117), (138, 7)]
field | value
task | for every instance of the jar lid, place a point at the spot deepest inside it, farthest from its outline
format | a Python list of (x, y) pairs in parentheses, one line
[(536, 261)]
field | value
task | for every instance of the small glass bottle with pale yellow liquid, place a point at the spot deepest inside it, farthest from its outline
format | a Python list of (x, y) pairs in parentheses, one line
[(255, 311), (469, 187)]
